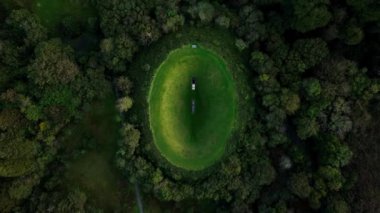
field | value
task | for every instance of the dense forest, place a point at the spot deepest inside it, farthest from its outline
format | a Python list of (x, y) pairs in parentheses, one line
[(74, 133)]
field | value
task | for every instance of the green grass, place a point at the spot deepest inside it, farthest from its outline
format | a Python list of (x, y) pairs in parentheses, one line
[(93, 171), (192, 141), (143, 70), (52, 12)]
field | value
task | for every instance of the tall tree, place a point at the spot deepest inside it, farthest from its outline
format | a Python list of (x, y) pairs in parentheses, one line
[(53, 64)]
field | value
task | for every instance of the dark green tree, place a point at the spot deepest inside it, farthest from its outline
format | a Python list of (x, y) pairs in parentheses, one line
[(206, 11), (332, 177), (367, 10), (312, 88), (290, 101), (333, 152), (124, 85), (251, 28), (53, 64), (27, 25), (118, 50), (311, 51), (307, 127), (310, 15), (337, 204), (352, 35), (299, 185)]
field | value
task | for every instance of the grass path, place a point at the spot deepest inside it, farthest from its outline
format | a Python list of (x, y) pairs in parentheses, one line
[(192, 141)]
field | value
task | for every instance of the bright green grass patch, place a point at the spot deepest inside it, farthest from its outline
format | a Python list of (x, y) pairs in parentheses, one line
[(192, 141)]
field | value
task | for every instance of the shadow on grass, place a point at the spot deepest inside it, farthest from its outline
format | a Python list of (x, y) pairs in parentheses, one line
[(92, 144)]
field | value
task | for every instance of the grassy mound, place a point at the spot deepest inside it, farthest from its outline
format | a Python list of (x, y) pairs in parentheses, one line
[(143, 71), (192, 140)]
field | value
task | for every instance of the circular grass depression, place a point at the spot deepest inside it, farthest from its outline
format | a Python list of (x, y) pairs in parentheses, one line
[(192, 140)]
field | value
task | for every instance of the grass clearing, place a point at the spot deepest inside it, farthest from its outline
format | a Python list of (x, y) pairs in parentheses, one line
[(142, 72), (52, 12), (93, 171), (189, 140)]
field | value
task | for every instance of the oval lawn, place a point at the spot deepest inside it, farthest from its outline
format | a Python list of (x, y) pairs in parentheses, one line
[(191, 128)]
